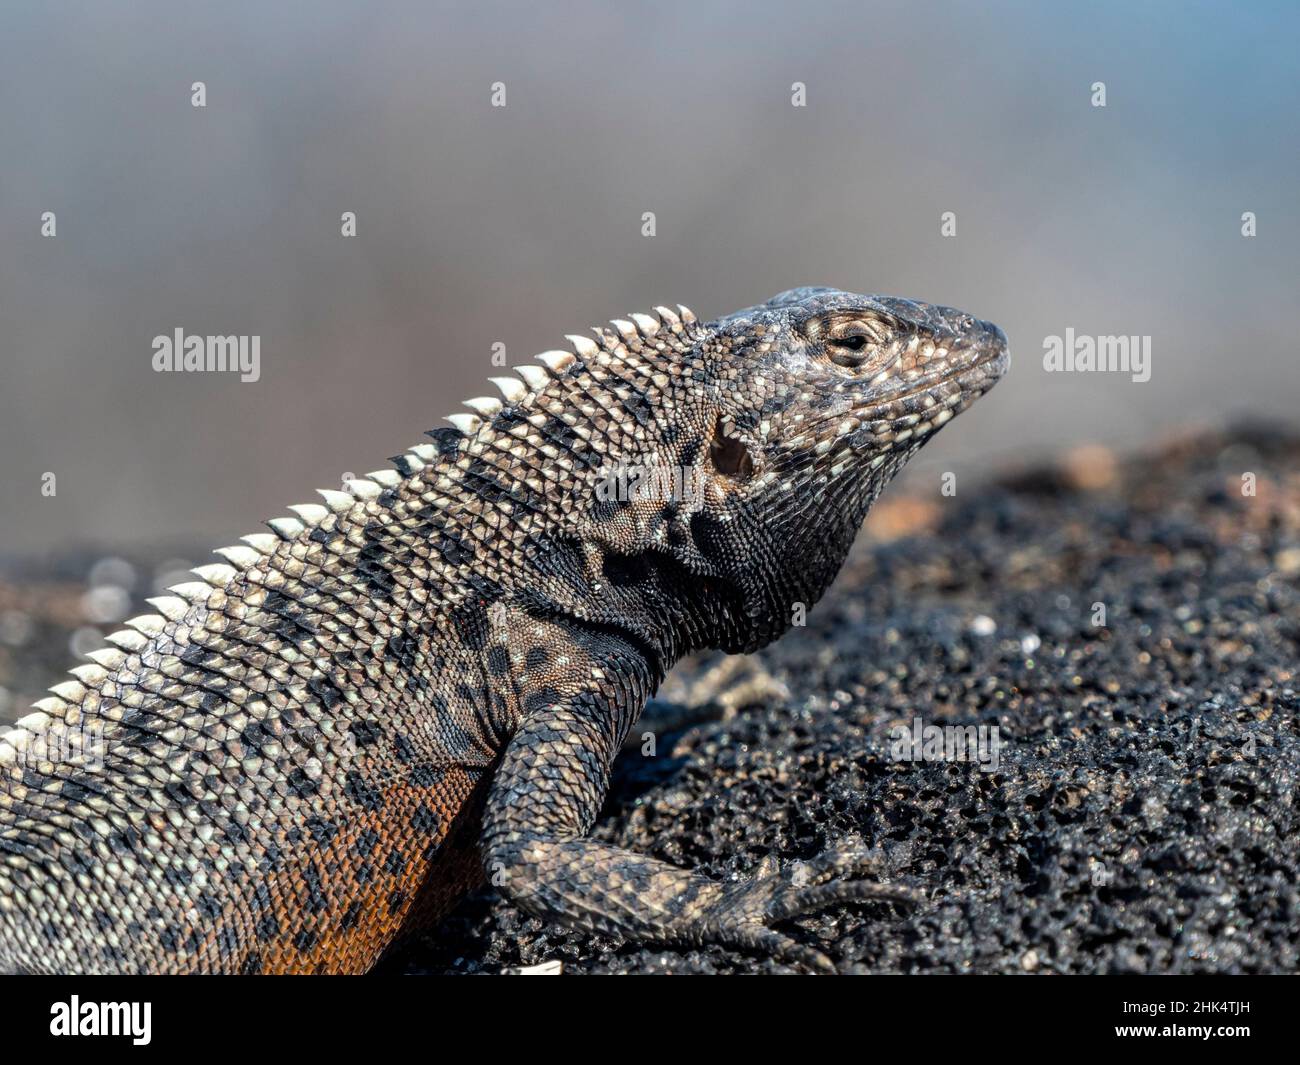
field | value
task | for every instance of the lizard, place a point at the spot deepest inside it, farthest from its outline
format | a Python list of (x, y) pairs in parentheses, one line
[(315, 748)]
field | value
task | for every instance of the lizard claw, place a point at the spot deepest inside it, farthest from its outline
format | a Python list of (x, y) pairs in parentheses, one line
[(742, 915)]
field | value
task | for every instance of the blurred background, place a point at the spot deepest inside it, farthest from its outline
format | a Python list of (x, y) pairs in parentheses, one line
[(516, 225)]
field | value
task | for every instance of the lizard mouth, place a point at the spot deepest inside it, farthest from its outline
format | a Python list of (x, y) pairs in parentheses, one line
[(988, 359), (974, 375), (987, 369), (916, 412)]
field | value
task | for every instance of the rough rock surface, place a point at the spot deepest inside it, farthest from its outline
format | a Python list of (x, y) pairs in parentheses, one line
[(1143, 813), (1143, 816)]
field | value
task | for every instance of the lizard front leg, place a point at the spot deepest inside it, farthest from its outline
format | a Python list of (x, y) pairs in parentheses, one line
[(545, 796)]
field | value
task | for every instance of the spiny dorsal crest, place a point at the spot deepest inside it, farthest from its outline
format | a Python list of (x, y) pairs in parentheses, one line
[(622, 343)]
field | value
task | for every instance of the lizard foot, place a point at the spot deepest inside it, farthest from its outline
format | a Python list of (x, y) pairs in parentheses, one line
[(730, 682), (742, 915)]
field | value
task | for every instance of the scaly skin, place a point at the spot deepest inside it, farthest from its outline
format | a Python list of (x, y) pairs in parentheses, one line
[(313, 751)]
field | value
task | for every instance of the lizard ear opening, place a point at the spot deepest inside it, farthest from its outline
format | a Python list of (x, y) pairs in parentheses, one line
[(730, 455)]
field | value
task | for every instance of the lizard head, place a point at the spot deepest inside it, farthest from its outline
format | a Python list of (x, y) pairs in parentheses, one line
[(820, 397)]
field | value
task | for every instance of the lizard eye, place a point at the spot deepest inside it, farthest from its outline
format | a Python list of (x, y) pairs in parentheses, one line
[(853, 343), (848, 350)]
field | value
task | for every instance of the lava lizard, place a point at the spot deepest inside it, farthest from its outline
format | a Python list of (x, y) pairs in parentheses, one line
[(310, 752)]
